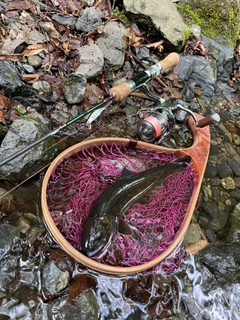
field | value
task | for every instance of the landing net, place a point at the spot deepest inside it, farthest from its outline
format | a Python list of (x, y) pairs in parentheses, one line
[(80, 179)]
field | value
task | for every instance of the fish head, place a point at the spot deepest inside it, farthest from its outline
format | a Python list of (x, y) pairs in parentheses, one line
[(96, 235)]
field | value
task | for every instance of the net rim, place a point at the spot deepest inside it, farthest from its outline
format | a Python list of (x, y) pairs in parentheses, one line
[(103, 268)]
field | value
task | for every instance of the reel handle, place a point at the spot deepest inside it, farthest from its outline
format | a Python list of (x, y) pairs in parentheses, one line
[(122, 90), (211, 119)]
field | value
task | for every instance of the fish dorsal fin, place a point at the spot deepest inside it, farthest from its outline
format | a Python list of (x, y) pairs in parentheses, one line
[(126, 173), (122, 227)]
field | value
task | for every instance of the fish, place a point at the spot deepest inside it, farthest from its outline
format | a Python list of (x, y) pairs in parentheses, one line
[(106, 213)]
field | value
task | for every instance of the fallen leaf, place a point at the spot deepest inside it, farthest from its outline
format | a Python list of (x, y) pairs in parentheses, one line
[(4, 107), (80, 284), (156, 45), (195, 247)]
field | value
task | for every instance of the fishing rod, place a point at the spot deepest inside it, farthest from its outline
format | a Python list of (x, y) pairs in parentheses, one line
[(116, 93)]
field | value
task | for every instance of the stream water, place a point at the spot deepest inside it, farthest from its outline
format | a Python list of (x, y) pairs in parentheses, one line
[(91, 295)]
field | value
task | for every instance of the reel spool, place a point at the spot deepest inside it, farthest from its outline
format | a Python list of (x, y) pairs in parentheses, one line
[(156, 123)]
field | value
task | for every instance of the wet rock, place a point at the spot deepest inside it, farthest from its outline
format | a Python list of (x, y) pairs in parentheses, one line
[(65, 20), (234, 165), (21, 133), (8, 234), (146, 12), (196, 70), (221, 259), (234, 231), (89, 21), (35, 61), (228, 183), (235, 194), (192, 235), (54, 280), (224, 170), (85, 307), (74, 88), (223, 55), (113, 45), (211, 171), (137, 313), (211, 209), (91, 61)]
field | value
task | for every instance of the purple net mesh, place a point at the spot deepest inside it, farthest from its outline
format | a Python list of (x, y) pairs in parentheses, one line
[(80, 179)]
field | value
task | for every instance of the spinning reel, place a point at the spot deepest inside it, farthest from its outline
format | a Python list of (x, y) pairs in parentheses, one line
[(157, 123)]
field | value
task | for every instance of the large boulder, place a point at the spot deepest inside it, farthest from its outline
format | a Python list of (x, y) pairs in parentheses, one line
[(22, 133), (163, 15)]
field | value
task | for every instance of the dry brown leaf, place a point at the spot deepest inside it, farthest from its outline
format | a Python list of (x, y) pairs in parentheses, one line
[(156, 45), (11, 57), (195, 247), (4, 106), (80, 284), (33, 49)]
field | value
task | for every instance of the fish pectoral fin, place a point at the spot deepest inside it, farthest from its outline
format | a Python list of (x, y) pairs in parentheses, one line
[(126, 173), (122, 227)]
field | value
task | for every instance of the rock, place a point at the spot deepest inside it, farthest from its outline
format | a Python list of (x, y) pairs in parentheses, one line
[(211, 209), (235, 194), (91, 61), (10, 78), (35, 61), (21, 133), (8, 234), (192, 235), (113, 45), (234, 165), (223, 55), (85, 307), (65, 20), (219, 20), (89, 21), (43, 88), (53, 279), (149, 13), (196, 70), (28, 69), (74, 88), (234, 231), (224, 170), (228, 183), (211, 171), (221, 258)]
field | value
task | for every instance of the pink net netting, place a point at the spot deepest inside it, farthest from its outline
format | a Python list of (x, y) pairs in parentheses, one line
[(80, 179)]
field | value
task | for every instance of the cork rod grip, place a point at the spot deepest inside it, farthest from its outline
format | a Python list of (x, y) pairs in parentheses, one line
[(121, 91), (170, 61)]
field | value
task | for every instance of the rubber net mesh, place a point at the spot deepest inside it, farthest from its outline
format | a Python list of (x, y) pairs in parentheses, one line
[(80, 179)]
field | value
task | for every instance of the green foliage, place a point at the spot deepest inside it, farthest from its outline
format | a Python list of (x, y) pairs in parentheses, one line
[(215, 20)]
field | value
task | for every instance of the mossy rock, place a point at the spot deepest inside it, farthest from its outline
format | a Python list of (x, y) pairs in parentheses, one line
[(219, 20)]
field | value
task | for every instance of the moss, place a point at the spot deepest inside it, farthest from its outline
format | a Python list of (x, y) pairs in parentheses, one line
[(216, 20), (121, 15)]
